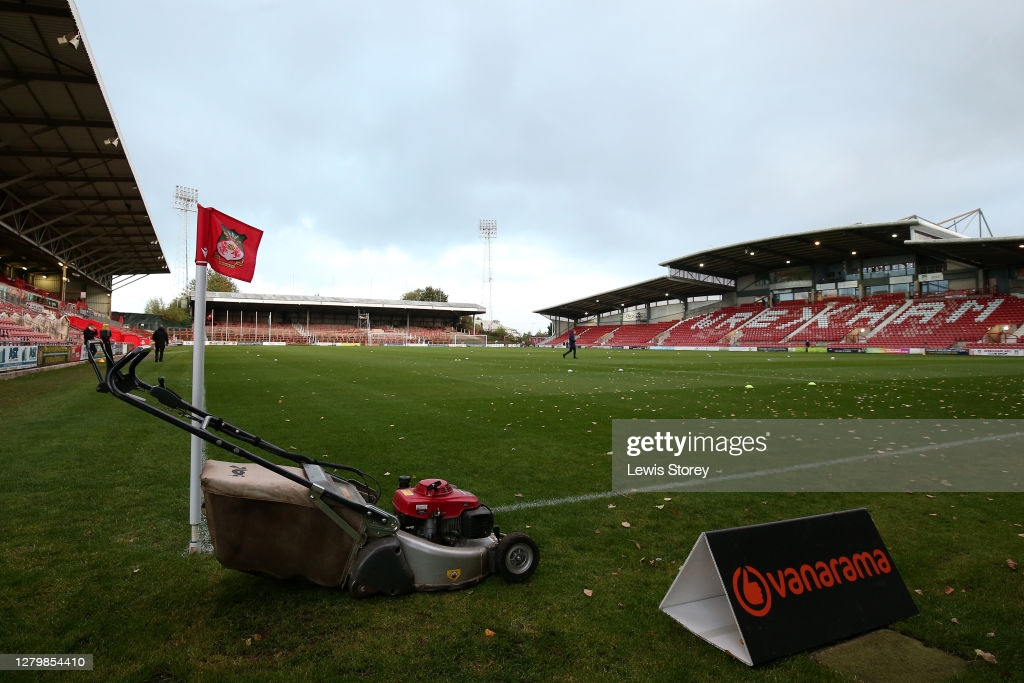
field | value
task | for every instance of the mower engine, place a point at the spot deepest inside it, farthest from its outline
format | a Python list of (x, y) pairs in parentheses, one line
[(440, 513)]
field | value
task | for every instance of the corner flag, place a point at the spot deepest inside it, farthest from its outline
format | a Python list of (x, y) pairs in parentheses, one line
[(226, 244), (229, 247)]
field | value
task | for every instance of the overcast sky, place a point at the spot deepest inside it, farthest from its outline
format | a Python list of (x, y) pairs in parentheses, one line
[(368, 139)]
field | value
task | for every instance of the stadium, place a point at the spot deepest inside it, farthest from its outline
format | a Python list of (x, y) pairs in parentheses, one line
[(906, 286), (70, 195), (896, 322)]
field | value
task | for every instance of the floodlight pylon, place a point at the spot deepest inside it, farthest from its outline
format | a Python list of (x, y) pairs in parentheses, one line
[(489, 231), (185, 201)]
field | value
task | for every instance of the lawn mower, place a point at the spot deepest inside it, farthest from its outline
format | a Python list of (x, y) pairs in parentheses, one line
[(308, 522)]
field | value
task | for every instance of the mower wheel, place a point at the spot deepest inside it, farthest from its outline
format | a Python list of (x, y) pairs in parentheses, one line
[(359, 590), (518, 556)]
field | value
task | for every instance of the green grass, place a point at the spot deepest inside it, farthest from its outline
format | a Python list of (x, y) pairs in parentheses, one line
[(95, 524)]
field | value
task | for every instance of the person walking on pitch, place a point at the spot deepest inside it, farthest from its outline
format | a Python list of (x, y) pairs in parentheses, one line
[(572, 345)]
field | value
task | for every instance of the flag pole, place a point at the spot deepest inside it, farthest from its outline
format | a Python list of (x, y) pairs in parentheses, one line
[(195, 495), (234, 234)]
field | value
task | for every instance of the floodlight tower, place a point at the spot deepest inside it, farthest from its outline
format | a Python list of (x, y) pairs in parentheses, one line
[(185, 200), (488, 231)]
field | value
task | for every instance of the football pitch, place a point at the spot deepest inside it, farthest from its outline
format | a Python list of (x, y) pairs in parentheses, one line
[(95, 498)]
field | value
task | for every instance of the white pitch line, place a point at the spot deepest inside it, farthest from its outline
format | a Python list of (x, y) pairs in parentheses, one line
[(672, 487), (751, 376), (554, 502)]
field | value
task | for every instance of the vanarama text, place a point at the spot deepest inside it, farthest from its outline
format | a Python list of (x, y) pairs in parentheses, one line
[(754, 590)]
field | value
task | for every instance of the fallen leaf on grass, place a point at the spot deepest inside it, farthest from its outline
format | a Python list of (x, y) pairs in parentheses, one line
[(919, 591), (948, 590), (660, 507), (987, 656), (488, 633), (611, 506), (626, 524), (955, 620), (519, 495), (588, 592), (1011, 564), (637, 544)]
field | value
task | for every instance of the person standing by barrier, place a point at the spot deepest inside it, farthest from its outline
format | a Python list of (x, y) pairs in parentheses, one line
[(159, 343)]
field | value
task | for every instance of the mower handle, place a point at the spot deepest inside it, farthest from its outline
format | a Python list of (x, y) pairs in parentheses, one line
[(200, 423), (168, 397)]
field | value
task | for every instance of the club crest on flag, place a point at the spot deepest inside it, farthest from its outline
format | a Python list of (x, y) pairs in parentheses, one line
[(231, 248)]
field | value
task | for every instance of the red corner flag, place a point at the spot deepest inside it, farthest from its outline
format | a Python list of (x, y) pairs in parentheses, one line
[(227, 245)]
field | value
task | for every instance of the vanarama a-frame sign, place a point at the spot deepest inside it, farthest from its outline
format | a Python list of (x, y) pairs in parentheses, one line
[(766, 591)]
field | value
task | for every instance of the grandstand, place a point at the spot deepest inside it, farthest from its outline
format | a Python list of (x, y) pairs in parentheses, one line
[(69, 190), (74, 223), (244, 318), (775, 324), (909, 285)]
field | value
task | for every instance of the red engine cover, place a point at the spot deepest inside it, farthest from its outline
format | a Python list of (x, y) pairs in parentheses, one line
[(431, 495)]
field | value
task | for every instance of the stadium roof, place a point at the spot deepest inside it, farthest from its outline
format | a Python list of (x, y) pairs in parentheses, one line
[(648, 291), (912, 236), (68, 193), (715, 271)]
